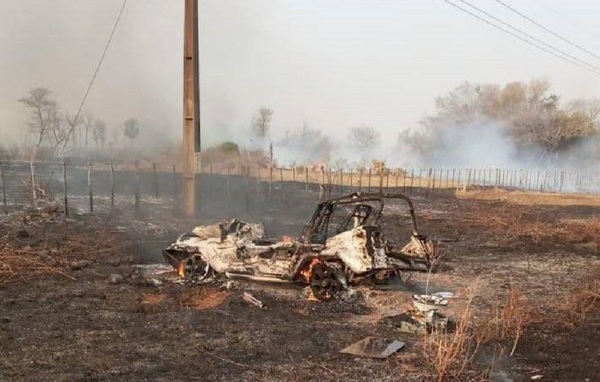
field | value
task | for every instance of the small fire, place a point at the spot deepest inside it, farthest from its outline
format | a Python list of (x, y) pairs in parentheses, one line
[(308, 269), (181, 269), (305, 274), (310, 296)]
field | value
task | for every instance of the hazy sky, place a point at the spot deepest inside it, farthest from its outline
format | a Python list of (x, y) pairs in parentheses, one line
[(331, 63)]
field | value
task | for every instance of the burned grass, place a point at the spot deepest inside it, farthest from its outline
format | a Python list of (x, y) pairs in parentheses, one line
[(534, 297)]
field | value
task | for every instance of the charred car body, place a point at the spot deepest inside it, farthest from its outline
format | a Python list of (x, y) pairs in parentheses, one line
[(342, 244)]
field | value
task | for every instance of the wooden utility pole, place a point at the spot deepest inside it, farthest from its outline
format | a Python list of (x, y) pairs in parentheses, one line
[(191, 105)]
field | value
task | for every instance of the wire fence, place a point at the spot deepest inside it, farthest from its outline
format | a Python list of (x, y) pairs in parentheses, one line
[(106, 187)]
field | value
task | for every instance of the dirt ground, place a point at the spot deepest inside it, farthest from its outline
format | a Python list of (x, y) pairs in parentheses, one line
[(74, 307)]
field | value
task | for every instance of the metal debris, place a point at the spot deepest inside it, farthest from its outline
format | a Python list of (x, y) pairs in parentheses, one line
[(116, 278), (416, 322), (427, 302), (253, 300), (374, 347)]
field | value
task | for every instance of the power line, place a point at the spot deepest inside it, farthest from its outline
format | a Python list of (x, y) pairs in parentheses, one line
[(529, 36), (89, 87), (574, 62), (547, 29)]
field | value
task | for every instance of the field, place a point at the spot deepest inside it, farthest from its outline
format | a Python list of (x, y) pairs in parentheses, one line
[(524, 269)]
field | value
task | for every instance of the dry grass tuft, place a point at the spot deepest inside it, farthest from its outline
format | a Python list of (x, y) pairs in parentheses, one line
[(25, 259), (453, 355), (509, 321), (573, 309)]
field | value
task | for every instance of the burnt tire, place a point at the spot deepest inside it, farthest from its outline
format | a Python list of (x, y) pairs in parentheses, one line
[(195, 268), (324, 283)]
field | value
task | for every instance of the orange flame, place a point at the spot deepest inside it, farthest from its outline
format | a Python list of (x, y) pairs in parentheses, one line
[(306, 272), (181, 269), (310, 296)]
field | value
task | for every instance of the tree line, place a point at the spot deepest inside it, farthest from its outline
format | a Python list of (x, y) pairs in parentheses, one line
[(56, 130), (530, 114)]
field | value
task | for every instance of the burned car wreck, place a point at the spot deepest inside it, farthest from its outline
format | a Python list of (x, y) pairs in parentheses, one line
[(342, 244)]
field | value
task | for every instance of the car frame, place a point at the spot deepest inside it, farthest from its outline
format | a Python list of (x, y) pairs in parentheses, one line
[(342, 244)]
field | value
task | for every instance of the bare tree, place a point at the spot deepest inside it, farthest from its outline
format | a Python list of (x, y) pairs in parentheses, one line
[(99, 133), (73, 124), (88, 123), (43, 113), (306, 145), (59, 131), (529, 114), (589, 107), (364, 138), (116, 133), (261, 122), (131, 129)]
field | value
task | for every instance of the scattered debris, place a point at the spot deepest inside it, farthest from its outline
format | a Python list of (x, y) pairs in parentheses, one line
[(253, 300), (416, 322), (231, 285), (374, 347), (444, 294), (116, 279), (427, 302)]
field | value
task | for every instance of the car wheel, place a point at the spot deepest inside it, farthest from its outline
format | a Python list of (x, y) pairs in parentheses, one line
[(324, 283), (195, 268)]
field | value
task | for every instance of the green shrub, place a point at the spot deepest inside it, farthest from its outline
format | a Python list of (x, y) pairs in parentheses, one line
[(229, 147)]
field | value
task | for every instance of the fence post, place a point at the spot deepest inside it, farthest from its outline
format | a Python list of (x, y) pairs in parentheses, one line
[(398, 176), (428, 183), (447, 178), (281, 174), (330, 180), (112, 186), (412, 178), (270, 178), (360, 176), (369, 180), (351, 179), (341, 180), (3, 190), (305, 178), (403, 180), (90, 187), (137, 186), (228, 176), (453, 172), (381, 180), (64, 168), (294, 173), (155, 179), (175, 191), (257, 178), (33, 193), (246, 172)]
